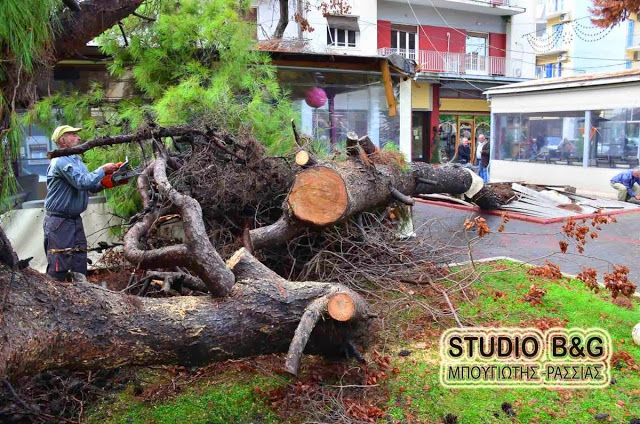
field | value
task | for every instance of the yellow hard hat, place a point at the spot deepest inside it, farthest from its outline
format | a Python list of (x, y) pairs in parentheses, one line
[(63, 129)]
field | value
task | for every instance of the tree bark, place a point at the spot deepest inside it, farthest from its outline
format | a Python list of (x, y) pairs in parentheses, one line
[(50, 325), (145, 132), (331, 192), (284, 19), (94, 17), (196, 253)]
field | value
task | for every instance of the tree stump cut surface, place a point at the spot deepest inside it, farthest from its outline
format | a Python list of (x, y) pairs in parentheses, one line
[(319, 196)]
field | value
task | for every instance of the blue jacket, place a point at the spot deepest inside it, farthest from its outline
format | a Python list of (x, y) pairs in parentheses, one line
[(68, 185), (626, 179)]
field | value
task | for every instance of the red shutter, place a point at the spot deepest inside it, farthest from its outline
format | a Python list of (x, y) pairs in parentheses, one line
[(497, 45), (436, 39), (384, 34)]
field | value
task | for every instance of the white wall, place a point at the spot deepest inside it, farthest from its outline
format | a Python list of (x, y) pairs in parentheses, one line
[(401, 13), (588, 181), (24, 229), (595, 98), (519, 51), (316, 41)]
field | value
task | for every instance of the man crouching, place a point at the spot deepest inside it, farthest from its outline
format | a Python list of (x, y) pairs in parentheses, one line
[(68, 185), (627, 185)]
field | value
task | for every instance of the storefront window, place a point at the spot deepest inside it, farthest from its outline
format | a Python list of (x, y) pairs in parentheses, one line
[(453, 127), (330, 104), (558, 137)]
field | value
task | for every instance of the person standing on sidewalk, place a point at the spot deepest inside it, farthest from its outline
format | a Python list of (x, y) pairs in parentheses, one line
[(627, 184), (482, 156), (68, 185)]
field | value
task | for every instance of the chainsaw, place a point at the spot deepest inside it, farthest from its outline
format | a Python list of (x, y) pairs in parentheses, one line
[(102, 245), (122, 175)]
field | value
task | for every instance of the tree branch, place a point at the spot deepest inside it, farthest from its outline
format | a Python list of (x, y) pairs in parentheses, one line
[(284, 19), (92, 18), (146, 18), (143, 133)]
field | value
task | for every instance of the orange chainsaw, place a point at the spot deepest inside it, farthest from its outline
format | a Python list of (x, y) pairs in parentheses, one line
[(121, 176)]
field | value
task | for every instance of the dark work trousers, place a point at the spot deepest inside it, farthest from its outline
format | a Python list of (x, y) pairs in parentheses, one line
[(63, 233)]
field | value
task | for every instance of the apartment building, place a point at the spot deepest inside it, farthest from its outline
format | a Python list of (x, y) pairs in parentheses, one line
[(632, 42), (567, 43), (460, 48)]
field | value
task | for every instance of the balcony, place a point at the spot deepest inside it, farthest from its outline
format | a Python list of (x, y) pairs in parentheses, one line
[(550, 44), (488, 7), (554, 70), (555, 8), (633, 43), (458, 63)]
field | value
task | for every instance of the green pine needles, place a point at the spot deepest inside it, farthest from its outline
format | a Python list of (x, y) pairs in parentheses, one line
[(196, 64), (25, 32)]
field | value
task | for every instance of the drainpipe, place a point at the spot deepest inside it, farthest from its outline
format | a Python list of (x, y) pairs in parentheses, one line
[(332, 119), (448, 40), (586, 149)]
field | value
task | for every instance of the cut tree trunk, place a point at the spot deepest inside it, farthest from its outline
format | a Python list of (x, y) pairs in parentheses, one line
[(331, 192), (50, 325)]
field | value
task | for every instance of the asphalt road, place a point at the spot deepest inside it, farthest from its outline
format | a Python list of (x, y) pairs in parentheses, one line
[(617, 243)]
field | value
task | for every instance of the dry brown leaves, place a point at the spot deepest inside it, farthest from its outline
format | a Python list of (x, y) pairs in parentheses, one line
[(623, 358), (356, 397), (624, 302), (535, 295), (608, 13), (504, 218), (549, 271), (481, 225), (546, 323), (618, 282), (589, 277), (495, 295), (581, 232), (363, 411)]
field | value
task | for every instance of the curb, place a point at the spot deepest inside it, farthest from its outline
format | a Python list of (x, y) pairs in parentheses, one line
[(528, 264)]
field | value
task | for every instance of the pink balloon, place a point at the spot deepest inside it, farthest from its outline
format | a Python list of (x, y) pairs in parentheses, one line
[(316, 97)]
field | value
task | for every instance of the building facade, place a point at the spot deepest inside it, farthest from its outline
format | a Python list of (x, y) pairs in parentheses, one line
[(567, 43), (460, 48)]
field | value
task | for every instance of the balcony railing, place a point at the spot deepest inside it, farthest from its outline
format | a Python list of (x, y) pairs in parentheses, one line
[(408, 53), (458, 63)]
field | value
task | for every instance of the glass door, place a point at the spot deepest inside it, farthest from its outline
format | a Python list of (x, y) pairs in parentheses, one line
[(420, 140), (467, 128), (476, 53)]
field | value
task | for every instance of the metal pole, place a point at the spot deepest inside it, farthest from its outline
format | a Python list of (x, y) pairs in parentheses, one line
[(587, 139)]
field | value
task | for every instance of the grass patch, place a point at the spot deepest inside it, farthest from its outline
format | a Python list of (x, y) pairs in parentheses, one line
[(416, 389), (229, 398), (408, 389)]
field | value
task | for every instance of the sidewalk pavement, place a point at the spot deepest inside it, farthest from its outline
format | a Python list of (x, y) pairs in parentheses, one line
[(617, 243)]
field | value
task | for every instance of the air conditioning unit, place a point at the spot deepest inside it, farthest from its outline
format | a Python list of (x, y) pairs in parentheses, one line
[(564, 17), (562, 57)]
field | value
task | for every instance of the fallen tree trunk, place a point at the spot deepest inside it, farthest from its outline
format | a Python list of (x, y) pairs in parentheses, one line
[(50, 325), (331, 192)]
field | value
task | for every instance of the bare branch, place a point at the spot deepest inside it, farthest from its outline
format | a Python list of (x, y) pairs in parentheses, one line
[(284, 19), (143, 133)]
